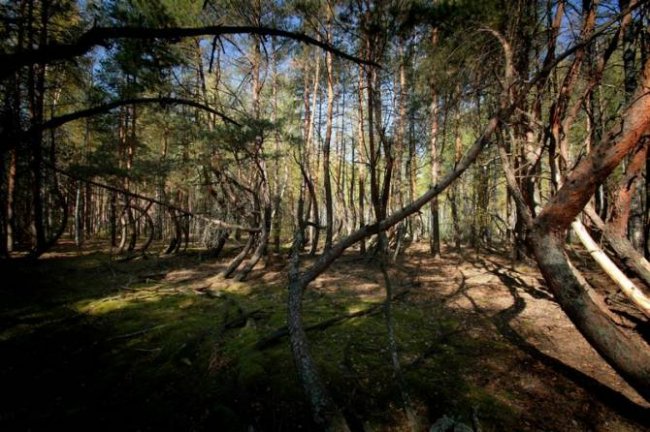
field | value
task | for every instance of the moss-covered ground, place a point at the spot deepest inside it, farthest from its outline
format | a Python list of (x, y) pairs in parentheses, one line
[(89, 342)]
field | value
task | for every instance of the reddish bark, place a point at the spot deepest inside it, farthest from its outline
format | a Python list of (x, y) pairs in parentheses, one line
[(625, 191), (581, 183), (627, 353)]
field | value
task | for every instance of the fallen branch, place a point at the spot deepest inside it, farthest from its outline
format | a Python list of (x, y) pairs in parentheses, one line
[(632, 259), (627, 287), (273, 338), (136, 333)]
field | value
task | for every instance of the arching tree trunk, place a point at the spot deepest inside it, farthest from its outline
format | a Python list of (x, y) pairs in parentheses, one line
[(325, 412), (632, 259), (628, 354)]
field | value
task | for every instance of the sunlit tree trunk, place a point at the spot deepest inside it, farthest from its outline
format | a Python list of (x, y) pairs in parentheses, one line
[(361, 155), (329, 211)]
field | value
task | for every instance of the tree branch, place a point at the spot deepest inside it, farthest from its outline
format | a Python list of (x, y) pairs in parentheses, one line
[(102, 36), (55, 122), (216, 222)]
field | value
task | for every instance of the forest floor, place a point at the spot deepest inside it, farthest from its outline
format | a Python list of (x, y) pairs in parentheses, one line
[(89, 341)]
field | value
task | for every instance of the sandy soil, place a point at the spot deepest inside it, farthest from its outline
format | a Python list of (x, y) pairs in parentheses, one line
[(560, 382)]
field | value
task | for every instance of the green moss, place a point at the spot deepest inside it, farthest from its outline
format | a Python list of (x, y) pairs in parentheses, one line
[(159, 356)]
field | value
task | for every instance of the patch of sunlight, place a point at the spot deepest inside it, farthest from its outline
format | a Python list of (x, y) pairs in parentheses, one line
[(218, 283), (111, 304), (186, 303), (16, 331), (29, 323), (359, 307)]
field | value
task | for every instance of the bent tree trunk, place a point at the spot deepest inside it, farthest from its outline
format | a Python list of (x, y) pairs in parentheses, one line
[(631, 258), (314, 388), (629, 289), (325, 412), (629, 354)]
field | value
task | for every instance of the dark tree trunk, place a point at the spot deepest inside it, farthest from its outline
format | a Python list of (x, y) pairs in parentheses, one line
[(628, 354), (434, 161), (324, 411)]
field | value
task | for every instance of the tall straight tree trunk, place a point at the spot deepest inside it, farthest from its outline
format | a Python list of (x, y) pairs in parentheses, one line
[(361, 154), (36, 163), (113, 218), (454, 190), (342, 173), (279, 185), (78, 217), (329, 210), (433, 160), (14, 100), (308, 172), (373, 148), (399, 181), (11, 196), (352, 200)]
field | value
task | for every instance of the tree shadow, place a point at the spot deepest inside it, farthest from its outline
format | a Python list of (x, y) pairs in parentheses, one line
[(503, 322)]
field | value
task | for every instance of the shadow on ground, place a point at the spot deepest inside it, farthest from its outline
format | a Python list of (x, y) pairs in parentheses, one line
[(160, 344)]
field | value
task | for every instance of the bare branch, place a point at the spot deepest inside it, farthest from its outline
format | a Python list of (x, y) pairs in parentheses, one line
[(216, 222), (101, 36), (55, 122)]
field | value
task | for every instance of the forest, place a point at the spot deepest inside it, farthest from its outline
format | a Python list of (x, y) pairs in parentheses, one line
[(341, 215)]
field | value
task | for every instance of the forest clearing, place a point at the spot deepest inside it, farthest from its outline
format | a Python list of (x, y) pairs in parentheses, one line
[(338, 215)]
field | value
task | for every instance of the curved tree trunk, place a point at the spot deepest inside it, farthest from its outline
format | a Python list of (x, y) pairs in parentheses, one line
[(221, 242), (324, 410), (149, 221), (628, 353), (634, 294), (434, 162), (236, 261), (632, 258), (175, 241), (261, 247), (329, 210)]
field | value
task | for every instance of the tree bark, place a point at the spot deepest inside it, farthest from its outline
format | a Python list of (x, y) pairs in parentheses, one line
[(434, 160), (632, 259), (11, 196), (329, 210), (324, 410), (634, 294), (630, 356)]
